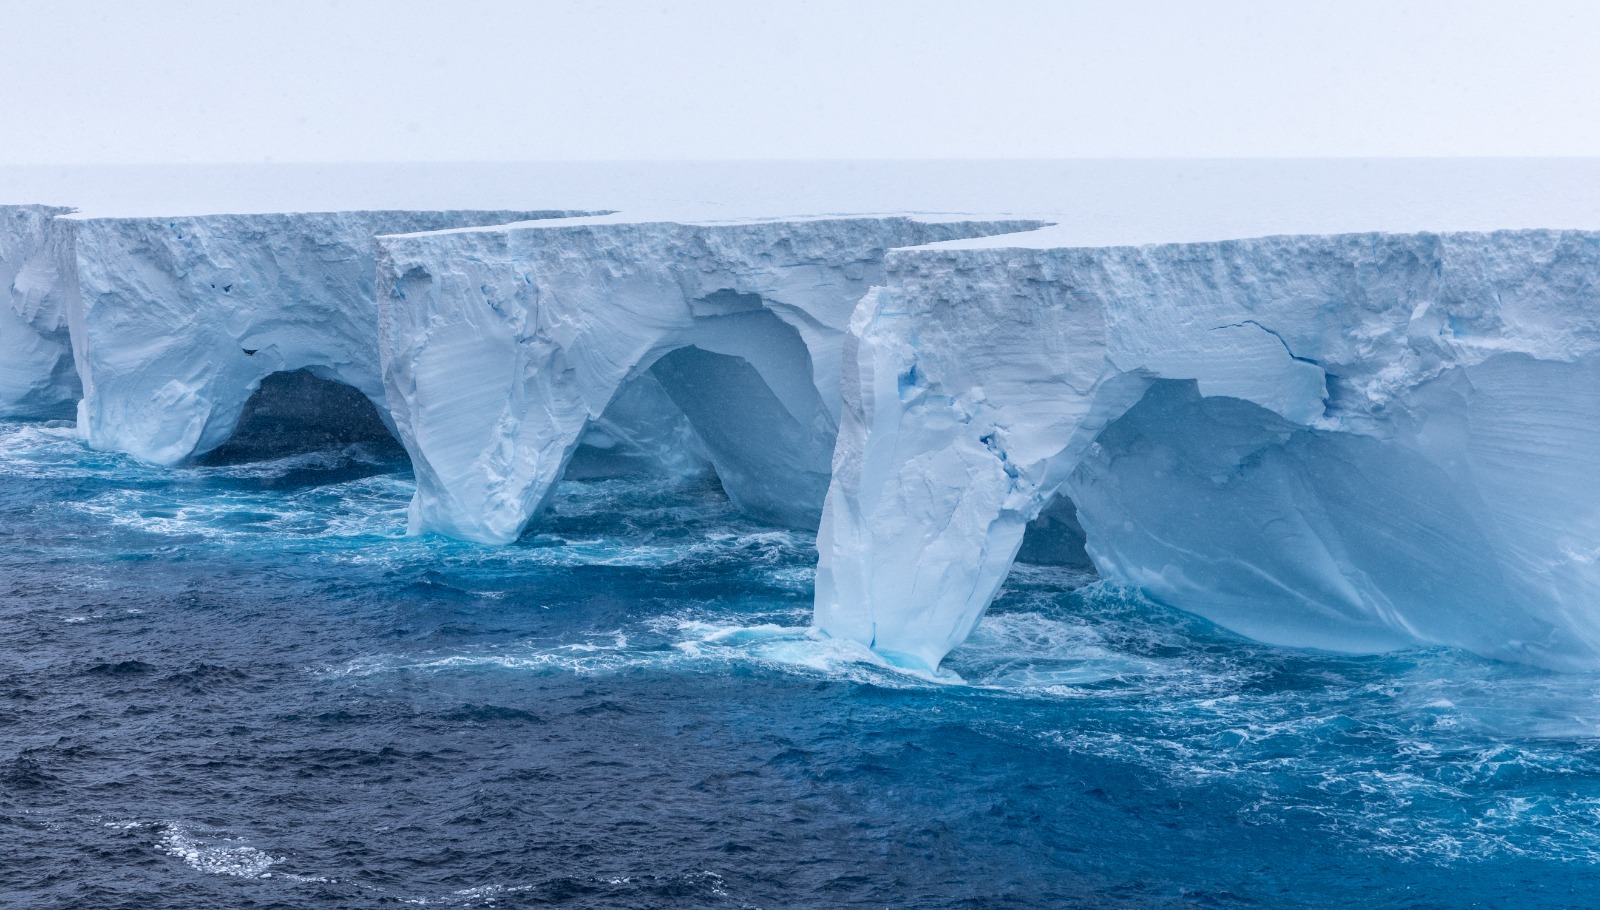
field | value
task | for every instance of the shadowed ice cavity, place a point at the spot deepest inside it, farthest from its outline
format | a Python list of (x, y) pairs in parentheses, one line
[(1057, 538), (297, 412), (762, 431), (1301, 537)]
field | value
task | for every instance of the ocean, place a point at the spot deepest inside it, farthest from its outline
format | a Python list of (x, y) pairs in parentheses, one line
[(239, 684)]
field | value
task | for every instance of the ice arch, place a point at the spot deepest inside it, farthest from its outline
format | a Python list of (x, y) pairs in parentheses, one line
[(1305, 537), (176, 321), (749, 417), (1404, 425), (502, 346)]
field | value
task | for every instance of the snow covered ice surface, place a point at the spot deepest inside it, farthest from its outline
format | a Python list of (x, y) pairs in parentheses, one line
[(1324, 437)]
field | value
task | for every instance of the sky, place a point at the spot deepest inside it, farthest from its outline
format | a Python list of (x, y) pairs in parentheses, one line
[(178, 82)]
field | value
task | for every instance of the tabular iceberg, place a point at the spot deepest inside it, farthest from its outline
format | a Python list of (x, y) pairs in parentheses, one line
[(175, 322), (36, 375), (1353, 442), (503, 346)]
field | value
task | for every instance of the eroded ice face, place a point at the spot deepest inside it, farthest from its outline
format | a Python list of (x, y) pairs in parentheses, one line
[(1354, 443)]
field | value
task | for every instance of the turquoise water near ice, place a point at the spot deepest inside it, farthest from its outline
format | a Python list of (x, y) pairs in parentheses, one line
[(242, 686)]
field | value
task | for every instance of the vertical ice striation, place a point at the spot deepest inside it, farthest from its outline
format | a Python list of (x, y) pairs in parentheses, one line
[(176, 321), (1353, 442), (36, 375), (503, 346)]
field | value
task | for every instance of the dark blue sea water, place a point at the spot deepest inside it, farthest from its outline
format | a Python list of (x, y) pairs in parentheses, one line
[(241, 686)]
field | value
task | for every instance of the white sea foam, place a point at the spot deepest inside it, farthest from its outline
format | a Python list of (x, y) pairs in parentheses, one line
[(1430, 755), (1021, 653), (216, 855)]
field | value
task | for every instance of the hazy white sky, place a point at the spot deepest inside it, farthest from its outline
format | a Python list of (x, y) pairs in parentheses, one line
[(458, 80)]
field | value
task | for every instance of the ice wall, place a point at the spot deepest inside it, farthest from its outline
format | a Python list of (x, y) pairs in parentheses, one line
[(1356, 442), (502, 346), (176, 321), (36, 375), (1352, 442)]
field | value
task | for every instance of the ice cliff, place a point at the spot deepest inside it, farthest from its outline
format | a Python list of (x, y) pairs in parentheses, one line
[(1354, 442), (503, 346), (1348, 441), (36, 375), (175, 322)]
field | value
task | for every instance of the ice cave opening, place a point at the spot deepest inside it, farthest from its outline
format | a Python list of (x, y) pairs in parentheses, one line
[(296, 412), (768, 458), (1308, 537), (642, 432), (732, 399), (1056, 538)]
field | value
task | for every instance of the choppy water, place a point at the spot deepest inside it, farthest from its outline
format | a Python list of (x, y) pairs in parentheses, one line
[(240, 686)]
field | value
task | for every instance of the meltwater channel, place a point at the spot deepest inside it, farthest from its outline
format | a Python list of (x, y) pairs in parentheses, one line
[(240, 685)]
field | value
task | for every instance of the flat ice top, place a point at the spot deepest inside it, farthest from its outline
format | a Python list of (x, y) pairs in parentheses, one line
[(638, 216), (1094, 203)]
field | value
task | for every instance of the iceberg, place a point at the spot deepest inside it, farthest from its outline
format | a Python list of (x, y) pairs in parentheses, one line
[(175, 322), (36, 375), (1352, 442), (502, 347)]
